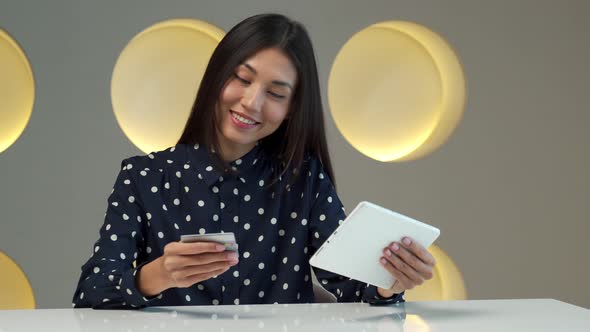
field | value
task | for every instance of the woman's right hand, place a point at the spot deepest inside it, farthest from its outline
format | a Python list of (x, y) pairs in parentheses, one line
[(183, 265)]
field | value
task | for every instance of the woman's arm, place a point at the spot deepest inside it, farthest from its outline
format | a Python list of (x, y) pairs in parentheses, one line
[(325, 216), (108, 277)]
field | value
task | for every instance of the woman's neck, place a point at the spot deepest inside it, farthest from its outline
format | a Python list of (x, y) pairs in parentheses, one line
[(230, 151)]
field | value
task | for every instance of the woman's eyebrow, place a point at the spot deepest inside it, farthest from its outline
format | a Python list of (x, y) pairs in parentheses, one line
[(280, 83), (250, 68)]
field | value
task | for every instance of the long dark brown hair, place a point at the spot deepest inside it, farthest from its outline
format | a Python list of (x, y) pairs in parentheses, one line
[(303, 130)]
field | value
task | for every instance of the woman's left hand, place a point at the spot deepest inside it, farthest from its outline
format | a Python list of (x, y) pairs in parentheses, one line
[(409, 263)]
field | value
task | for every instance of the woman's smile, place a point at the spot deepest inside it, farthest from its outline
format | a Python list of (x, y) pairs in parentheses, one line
[(243, 121)]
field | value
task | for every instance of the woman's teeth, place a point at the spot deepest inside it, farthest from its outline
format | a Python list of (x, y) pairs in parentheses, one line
[(242, 119)]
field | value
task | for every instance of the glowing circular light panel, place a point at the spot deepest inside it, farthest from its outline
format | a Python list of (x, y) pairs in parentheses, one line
[(396, 91), (17, 91), (156, 78), (14, 286), (447, 283)]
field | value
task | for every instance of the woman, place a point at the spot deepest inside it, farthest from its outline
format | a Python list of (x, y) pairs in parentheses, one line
[(252, 160)]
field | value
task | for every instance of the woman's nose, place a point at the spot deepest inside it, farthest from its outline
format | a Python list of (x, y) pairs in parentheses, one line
[(253, 98)]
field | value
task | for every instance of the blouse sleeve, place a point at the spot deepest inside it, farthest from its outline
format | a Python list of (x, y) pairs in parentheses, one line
[(327, 212), (108, 277)]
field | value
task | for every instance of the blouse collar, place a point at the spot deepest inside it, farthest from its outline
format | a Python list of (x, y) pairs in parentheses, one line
[(203, 162)]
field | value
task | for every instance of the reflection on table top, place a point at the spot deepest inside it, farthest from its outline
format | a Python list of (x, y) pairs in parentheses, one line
[(480, 316)]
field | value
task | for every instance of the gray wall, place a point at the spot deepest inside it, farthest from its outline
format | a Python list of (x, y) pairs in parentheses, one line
[(509, 190)]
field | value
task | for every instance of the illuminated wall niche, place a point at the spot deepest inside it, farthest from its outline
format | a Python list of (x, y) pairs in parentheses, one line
[(396, 91), (14, 286), (156, 78), (447, 283), (17, 91)]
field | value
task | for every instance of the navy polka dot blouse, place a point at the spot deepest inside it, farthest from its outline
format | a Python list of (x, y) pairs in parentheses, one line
[(161, 196)]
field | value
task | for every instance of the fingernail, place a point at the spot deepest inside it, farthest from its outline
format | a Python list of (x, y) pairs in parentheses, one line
[(383, 261), (407, 241), (395, 247), (388, 252), (232, 256), (220, 247)]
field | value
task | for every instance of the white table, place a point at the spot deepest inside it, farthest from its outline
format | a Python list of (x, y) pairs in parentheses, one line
[(456, 316)]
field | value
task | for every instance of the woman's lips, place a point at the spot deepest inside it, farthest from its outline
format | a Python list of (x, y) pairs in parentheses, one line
[(243, 121)]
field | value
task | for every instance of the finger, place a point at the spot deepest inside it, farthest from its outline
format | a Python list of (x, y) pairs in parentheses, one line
[(179, 262), (411, 259), (206, 268), (404, 267), (399, 276), (191, 280), (418, 250), (180, 248), (207, 258), (206, 276)]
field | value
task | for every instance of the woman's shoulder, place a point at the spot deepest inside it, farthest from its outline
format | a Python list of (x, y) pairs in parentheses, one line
[(309, 172), (312, 164), (162, 160)]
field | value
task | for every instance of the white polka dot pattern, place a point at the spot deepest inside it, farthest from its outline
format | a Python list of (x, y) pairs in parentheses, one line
[(179, 191)]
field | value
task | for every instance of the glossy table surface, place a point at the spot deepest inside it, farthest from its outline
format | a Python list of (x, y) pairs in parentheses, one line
[(457, 316)]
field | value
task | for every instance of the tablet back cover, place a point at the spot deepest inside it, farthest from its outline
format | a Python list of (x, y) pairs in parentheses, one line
[(355, 247)]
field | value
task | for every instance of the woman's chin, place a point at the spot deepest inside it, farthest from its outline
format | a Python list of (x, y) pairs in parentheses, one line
[(236, 139)]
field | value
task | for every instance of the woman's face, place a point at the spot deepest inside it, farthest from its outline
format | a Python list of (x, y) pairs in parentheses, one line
[(254, 101)]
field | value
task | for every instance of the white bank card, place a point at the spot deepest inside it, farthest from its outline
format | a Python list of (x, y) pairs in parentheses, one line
[(227, 239)]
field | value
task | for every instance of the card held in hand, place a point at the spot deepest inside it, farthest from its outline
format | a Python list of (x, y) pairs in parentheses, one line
[(227, 239)]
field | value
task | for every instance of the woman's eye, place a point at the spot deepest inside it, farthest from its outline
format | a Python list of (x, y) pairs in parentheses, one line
[(278, 96), (244, 81)]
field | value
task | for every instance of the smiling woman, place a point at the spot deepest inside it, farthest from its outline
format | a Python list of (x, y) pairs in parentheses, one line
[(254, 102), (253, 161), (264, 71)]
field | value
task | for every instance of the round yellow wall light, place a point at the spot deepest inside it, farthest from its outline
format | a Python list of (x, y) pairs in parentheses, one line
[(447, 283), (396, 91), (17, 91), (156, 78), (14, 286)]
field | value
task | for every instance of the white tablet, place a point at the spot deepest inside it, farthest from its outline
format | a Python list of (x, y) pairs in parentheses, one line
[(355, 247)]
